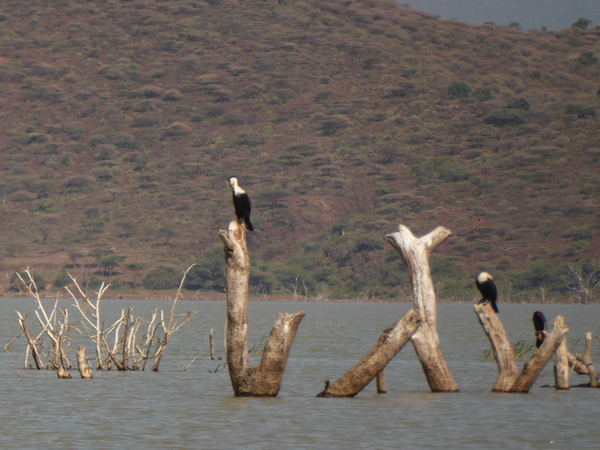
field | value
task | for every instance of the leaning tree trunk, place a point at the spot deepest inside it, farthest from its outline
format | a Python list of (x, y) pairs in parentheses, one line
[(509, 380), (503, 350), (264, 380), (389, 344), (415, 253), (538, 361)]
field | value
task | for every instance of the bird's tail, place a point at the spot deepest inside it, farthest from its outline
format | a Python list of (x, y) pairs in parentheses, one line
[(248, 225), (494, 306)]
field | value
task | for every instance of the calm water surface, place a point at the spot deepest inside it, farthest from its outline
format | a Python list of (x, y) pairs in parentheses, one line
[(195, 408)]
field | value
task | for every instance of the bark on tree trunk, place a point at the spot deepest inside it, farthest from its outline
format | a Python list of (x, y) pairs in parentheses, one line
[(264, 380), (562, 371), (389, 344), (415, 253), (577, 365), (503, 350), (587, 360), (509, 380), (82, 363), (61, 372)]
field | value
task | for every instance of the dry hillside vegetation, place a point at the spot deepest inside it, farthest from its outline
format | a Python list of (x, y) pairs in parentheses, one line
[(123, 120)]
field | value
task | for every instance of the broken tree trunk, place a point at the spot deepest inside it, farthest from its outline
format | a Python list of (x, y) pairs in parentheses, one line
[(503, 350), (389, 344), (61, 372), (415, 254), (538, 361), (587, 360), (562, 371), (577, 365), (509, 380), (264, 380), (83, 365)]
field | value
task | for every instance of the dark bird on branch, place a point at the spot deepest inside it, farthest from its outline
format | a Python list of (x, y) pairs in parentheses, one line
[(540, 327), (241, 203), (485, 284)]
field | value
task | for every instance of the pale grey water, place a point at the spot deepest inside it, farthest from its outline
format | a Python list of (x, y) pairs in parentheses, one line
[(196, 409)]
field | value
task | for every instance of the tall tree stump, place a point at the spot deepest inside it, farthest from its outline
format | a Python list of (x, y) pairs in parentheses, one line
[(562, 370), (415, 253), (264, 380)]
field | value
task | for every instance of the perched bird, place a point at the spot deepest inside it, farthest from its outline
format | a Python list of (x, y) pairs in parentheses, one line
[(540, 327), (485, 284), (241, 203)]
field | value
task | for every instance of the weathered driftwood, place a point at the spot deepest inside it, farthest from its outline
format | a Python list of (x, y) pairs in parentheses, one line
[(415, 254), (587, 360), (389, 344), (264, 380), (562, 370), (503, 351), (538, 361), (577, 365), (509, 380), (85, 370)]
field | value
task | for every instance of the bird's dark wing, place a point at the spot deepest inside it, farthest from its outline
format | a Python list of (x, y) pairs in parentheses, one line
[(539, 321), (488, 290)]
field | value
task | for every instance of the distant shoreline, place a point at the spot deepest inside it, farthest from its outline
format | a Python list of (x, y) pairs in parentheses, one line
[(221, 297)]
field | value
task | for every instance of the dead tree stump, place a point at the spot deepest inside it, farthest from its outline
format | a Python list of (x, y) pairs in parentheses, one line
[(247, 381), (562, 370), (509, 380), (503, 350), (415, 253), (82, 363), (587, 360), (389, 344)]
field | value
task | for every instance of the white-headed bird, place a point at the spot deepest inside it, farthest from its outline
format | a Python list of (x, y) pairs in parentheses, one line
[(487, 287), (241, 203)]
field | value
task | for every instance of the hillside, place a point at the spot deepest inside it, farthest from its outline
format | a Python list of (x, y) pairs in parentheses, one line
[(123, 120)]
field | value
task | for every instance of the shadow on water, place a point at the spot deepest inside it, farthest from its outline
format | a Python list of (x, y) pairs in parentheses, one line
[(195, 408)]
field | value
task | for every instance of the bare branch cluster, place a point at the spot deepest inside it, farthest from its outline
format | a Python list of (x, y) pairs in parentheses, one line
[(126, 344), (50, 346)]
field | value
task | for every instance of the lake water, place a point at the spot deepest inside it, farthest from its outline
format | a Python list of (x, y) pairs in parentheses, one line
[(195, 408)]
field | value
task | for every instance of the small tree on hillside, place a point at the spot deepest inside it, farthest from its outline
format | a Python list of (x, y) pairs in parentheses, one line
[(584, 280), (582, 23)]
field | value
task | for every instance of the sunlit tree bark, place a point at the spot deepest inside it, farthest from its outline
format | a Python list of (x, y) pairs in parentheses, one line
[(264, 380), (415, 253)]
